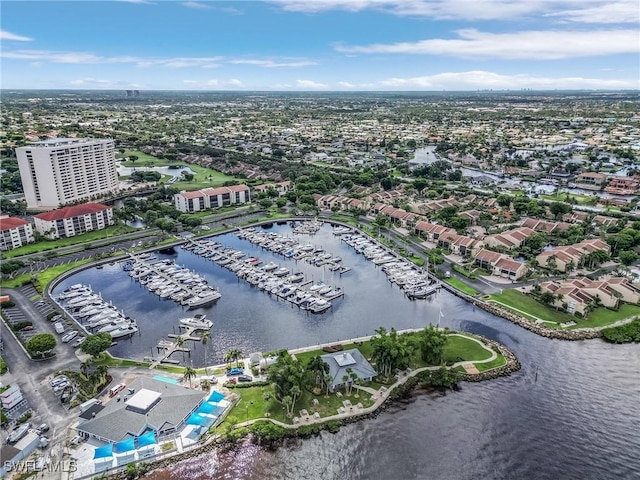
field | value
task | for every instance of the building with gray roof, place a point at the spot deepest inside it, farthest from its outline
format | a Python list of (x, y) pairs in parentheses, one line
[(348, 359), (149, 404)]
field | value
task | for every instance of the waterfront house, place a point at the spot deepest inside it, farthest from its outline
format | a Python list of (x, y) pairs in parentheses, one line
[(344, 362), (581, 294)]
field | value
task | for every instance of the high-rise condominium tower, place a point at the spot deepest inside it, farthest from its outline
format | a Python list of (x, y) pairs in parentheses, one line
[(59, 171)]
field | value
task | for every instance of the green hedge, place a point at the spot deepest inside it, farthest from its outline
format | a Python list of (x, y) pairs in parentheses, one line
[(624, 333)]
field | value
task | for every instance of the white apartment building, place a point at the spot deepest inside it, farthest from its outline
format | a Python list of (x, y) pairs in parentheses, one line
[(14, 232), (58, 171), (74, 220), (209, 198)]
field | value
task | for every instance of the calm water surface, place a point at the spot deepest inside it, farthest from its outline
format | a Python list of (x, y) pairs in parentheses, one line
[(572, 412)]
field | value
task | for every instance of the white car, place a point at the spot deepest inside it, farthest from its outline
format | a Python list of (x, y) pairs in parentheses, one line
[(69, 336)]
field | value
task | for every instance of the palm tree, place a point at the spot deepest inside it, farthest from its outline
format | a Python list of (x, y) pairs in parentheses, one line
[(84, 367), (234, 355), (101, 371), (319, 368), (345, 380), (189, 373), (328, 380)]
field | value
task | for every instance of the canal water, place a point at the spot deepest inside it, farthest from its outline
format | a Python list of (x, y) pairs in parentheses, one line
[(571, 412)]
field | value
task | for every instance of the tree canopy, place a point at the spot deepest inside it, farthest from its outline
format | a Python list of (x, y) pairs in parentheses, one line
[(40, 344), (94, 345)]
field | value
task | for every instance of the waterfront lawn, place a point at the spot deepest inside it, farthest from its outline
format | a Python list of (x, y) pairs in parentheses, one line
[(529, 307), (499, 361), (45, 245), (460, 285), (602, 317), (42, 278), (460, 349)]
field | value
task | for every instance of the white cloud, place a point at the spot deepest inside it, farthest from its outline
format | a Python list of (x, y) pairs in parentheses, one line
[(90, 82), (590, 11), (4, 35), (196, 5), (482, 80), (548, 45), (91, 59), (274, 64), (347, 85), (310, 84), (624, 11), (232, 83)]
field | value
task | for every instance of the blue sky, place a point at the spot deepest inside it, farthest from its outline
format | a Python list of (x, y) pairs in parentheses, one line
[(321, 44)]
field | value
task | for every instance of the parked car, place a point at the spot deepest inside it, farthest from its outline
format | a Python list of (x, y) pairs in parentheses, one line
[(27, 328), (19, 432), (245, 378), (59, 380), (69, 336), (42, 428), (232, 380), (44, 442), (79, 341), (235, 371), (61, 387)]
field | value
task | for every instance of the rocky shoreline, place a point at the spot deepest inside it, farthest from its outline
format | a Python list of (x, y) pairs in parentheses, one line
[(401, 391), (539, 329)]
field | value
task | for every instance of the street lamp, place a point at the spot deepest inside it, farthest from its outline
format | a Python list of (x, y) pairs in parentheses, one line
[(248, 404)]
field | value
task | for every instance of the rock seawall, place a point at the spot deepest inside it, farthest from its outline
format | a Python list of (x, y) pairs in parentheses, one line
[(539, 329)]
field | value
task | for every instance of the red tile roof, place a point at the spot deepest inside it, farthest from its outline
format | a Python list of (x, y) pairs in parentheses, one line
[(7, 223), (73, 211)]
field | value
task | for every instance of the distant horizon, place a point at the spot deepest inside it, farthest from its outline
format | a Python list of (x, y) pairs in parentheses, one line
[(321, 45), (507, 90)]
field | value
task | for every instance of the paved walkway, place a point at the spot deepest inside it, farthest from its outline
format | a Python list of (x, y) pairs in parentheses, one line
[(379, 396)]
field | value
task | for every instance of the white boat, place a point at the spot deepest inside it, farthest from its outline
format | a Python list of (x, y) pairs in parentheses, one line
[(316, 286), (203, 299), (281, 272), (110, 327), (124, 331), (296, 277), (325, 289), (319, 306), (269, 267), (197, 321)]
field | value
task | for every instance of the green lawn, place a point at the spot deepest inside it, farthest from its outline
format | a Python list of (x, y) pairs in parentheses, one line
[(524, 304), (531, 308), (43, 278), (144, 160), (498, 362), (47, 245), (204, 177), (459, 349), (603, 316), (463, 287)]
